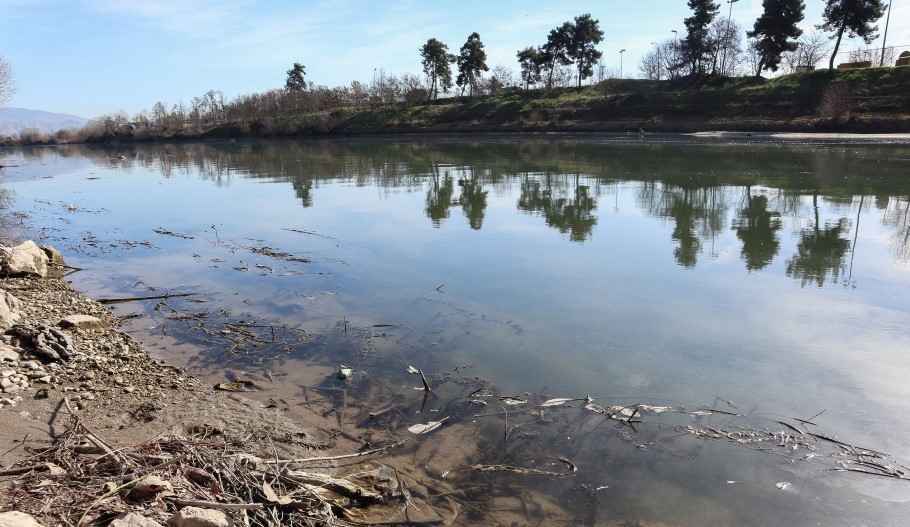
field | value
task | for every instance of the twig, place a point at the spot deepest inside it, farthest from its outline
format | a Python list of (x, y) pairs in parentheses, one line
[(137, 298), (426, 385), (332, 458), (106, 495), (108, 451), (215, 504), (22, 470), (523, 471)]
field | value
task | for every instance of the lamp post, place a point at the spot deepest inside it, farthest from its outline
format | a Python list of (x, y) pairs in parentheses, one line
[(658, 58), (675, 35), (885, 37), (620, 62), (723, 60)]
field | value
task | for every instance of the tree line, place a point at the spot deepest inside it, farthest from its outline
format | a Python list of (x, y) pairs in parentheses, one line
[(712, 45)]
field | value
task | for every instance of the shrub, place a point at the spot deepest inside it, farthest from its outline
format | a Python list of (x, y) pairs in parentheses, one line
[(836, 101)]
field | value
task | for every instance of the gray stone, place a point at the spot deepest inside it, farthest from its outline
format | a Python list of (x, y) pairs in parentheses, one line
[(24, 259), (18, 519), (198, 517), (82, 322), (8, 354), (10, 312), (133, 520), (53, 255)]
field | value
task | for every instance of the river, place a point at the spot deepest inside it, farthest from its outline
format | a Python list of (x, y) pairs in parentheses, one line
[(669, 275)]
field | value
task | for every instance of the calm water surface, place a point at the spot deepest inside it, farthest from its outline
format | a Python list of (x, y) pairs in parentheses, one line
[(767, 279)]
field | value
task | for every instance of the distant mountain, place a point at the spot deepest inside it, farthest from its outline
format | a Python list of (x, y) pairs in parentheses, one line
[(14, 120)]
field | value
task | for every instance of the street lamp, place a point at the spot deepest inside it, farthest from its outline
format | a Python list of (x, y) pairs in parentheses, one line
[(675, 36), (620, 62), (723, 61), (658, 58)]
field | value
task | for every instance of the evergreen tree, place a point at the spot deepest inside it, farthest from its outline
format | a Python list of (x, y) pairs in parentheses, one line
[(555, 52), (775, 31), (295, 80), (529, 60), (436, 62), (696, 45), (584, 35), (472, 61), (854, 17)]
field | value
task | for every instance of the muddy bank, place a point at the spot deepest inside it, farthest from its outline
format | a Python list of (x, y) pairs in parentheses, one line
[(95, 426)]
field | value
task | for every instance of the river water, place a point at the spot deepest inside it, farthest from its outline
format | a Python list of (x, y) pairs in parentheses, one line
[(765, 279)]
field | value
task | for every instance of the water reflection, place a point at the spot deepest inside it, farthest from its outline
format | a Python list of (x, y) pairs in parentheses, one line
[(703, 191), (757, 227), (679, 270)]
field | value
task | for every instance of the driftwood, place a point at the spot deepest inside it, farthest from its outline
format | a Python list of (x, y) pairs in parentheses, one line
[(572, 469), (138, 298), (49, 342)]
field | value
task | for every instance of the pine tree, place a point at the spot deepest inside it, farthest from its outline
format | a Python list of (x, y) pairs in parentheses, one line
[(854, 17), (697, 44), (585, 34), (775, 31), (436, 62), (472, 61), (529, 60), (295, 80)]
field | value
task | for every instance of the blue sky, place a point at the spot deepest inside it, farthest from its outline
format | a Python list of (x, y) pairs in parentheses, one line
[(91, 57)]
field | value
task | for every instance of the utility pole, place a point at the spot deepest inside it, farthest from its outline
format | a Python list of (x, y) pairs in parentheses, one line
[(885, 37)]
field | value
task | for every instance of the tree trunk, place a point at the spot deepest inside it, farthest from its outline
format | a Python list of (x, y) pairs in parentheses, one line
[(840, 34)]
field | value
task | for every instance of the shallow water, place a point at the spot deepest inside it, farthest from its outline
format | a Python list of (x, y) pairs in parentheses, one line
[(768, 279)]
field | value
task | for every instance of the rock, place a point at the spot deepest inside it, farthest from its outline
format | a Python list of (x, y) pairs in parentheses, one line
[(8, 354), (197, 517), (53, 255), (24, 259), (133, 520), (18, 519), (82, 322), (10, 312)]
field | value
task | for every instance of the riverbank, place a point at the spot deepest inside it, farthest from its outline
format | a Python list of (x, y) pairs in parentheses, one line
[(862, 101), (69, 374)]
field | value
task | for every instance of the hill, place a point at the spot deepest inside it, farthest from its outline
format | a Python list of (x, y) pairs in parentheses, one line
[(14, 120)]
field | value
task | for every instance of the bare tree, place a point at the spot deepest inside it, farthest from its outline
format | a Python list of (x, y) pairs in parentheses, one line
[(650, 66), (600, 70), (500, 77), (873, 55), (727, 51), (811, 48), (7, 85), (752, 58), (658, 63)]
